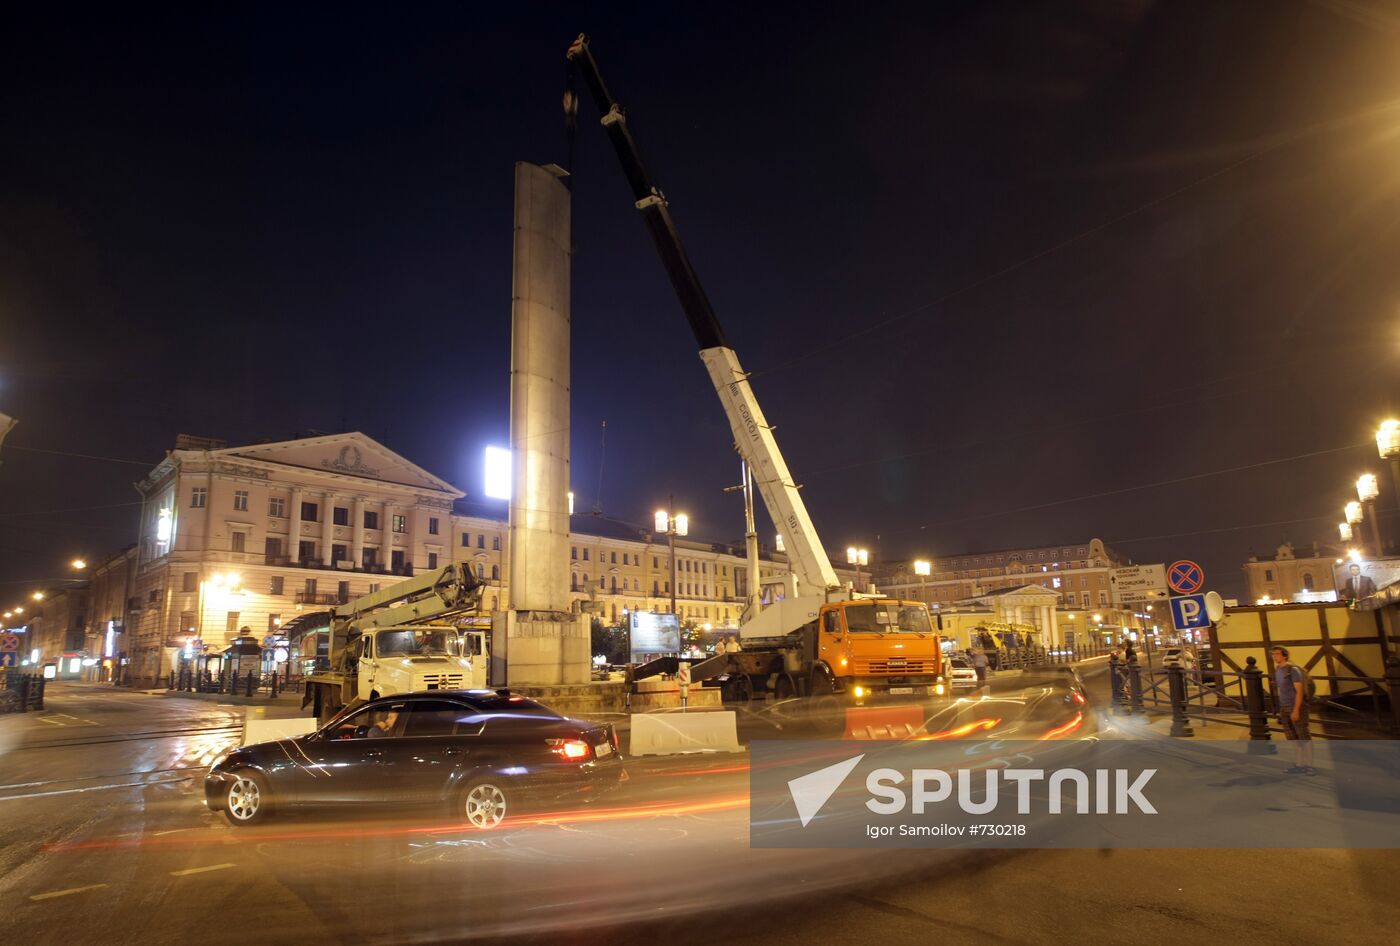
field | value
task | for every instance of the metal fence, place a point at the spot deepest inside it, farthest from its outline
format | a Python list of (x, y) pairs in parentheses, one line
[(1031, 657), (248, 684), (1355, 708)]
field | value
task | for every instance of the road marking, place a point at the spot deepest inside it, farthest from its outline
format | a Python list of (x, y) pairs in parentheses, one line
[(199, 870), (97, 788), (63, 893)]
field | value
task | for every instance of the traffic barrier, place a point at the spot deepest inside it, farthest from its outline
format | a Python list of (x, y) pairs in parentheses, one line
[(267, 730), (671, 733), (900, 721)]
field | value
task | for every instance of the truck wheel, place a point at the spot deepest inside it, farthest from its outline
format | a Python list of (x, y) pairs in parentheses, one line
[(740, 688), (247, 799), (485, 802), (784, 688)]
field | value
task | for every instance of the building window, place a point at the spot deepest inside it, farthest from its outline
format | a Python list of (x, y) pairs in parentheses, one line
[(368, 558), (339, 553), (1084, 598), (231, 623), (585, 555), (1307, 581), (1103, 597), (306, 552), (236, 541), (495, 543), (432, 525), (309, 586), (240, 500), (397, 561), (274, 623), (573, 553), (309, 511), (277, 507), (573, 581), (480, 571), (466, 540), (190, 581), (198, 497), (274, 586), (656, 588), (495, 573), (340, 516), (655, 562), (400, 523), (343, 591), (371, 520), (1268, 574), (432, 559), (481, 543), (374, 588), (272, 549), (187, 621)]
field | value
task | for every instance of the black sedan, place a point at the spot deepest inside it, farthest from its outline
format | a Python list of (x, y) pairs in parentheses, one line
[(484, 753)]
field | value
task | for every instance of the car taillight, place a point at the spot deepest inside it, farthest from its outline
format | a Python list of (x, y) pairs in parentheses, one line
[(1077, 697), (572, 750)]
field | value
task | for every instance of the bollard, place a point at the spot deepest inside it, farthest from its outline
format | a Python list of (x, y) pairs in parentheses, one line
[(1135, 683), (252, 682), (170, 682), (233, 684), (1260, 742), (1180, 726), (24, 693), (42, 683), (272, 686)]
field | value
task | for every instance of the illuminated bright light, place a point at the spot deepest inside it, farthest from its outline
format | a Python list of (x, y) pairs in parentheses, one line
[(859, 692), (1067, 728), (662, 521), (1367, 487), (1344, 532), (37, 596), (78, 564), (19, 610), (1354, 554), (165, 526), (922, 568), (778, 542), (855, 556), (682, 524), (1353, 512), (1388, 439), (497, 473), (571, 502)]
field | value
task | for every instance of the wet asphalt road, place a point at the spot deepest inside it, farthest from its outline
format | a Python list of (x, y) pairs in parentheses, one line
[(103, 838)]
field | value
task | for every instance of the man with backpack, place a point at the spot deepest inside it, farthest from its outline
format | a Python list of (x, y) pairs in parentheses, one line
[(1293, 690)]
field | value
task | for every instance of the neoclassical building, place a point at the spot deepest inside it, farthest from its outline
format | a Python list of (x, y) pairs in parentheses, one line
[(235, 537)]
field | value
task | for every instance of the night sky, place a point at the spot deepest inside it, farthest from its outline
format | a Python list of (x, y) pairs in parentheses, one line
[(995, 266)]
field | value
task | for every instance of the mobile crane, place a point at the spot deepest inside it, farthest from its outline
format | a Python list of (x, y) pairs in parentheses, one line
[(812, 636), (403, 639)]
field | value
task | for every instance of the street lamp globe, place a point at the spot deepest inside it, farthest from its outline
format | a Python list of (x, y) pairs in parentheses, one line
[(1353, 512), (1367, 487), (1388, 440), (1344, 531), (662, 521), (923, 568), (682, 524), (78, 564), (37, 596), (855, 556)]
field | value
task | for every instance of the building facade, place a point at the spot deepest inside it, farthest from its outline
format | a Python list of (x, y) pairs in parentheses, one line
[(238, 540), (1287, 576)]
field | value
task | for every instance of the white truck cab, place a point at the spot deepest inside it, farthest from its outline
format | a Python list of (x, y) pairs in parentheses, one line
[(411, 659)]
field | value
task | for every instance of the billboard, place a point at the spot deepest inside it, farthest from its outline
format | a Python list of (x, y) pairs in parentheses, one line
[(652, 633), (1362, 579)]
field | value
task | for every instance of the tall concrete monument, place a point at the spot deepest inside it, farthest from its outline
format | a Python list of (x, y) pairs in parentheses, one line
[(545, 642)]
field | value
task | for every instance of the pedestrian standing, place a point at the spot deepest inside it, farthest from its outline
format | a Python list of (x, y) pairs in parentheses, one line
[(1291, 687), (979, 663)]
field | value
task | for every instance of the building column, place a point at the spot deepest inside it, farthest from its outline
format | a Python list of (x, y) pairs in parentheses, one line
[(386, 546), (327, 526), (294, 526), (357, 530)]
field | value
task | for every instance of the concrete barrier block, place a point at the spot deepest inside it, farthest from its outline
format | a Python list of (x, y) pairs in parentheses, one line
[(671, 733), (267, 730)]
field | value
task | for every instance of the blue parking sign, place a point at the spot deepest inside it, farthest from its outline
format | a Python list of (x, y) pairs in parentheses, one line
[(1189, 612)]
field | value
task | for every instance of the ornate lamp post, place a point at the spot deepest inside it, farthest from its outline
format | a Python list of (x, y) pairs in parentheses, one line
[(1367, 489)]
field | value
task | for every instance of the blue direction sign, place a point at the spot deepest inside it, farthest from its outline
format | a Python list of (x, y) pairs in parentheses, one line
[(1189, 612), (1185, 577), (8, 658)]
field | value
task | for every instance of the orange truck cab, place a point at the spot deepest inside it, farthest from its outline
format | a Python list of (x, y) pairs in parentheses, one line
[(878, 647)]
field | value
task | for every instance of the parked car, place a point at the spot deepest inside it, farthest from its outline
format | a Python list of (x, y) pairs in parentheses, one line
[(961, 673), (484, 754), (1179, 657)]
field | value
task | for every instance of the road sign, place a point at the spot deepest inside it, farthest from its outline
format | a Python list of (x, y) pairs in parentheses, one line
[(1215, 605), (9, 658), (9, 643), (1185, 577), (1189, 613), (1138, 583)]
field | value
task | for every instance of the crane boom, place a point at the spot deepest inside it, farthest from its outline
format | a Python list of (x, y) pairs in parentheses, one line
[(753, 436)]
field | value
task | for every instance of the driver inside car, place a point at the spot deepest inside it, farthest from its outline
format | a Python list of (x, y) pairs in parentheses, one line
[(385, 726)]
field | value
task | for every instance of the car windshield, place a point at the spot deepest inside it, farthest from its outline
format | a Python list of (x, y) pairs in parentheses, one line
[(412, 643), (883, 618)]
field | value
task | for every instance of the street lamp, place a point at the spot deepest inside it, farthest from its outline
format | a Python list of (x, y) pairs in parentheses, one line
[(1352, 510), (77, 564), (37, 596), (1388, 446), (857, 557), (672, 524), (1344, 531), (1367, 489), (922, 569)]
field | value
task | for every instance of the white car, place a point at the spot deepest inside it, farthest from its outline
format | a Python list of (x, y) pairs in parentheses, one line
[(1179, 657), (961, 673)]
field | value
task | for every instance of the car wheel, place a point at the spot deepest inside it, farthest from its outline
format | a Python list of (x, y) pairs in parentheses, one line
[(247, 800), (485, 803)]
